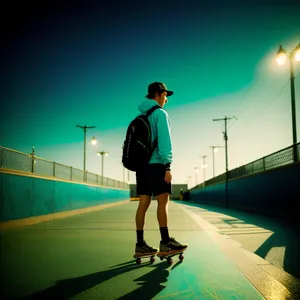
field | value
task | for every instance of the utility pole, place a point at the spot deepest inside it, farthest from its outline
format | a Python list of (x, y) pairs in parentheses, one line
[(226, 153), (225, 138)]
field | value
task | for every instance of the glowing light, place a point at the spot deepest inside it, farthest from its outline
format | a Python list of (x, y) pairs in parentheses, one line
[(102, 153), (94, 141), (281, 56), (297, 55)]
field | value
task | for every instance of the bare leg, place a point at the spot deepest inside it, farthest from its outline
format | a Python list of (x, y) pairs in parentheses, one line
[(162, 209), (141, 211)]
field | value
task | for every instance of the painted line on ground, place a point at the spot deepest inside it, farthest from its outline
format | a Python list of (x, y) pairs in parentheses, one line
[(13, 224)]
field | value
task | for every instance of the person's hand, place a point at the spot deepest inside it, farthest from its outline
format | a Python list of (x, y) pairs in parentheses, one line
[(168, 176)]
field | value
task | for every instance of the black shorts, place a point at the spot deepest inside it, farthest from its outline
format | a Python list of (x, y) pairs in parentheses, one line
[(151, 181)]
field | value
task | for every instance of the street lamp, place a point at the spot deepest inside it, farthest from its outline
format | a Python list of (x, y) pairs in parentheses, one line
[(123, 168), (94, 142), (214, 150), (188, 179), (281, 58), (204, 166), (196, 174), (102, 153)]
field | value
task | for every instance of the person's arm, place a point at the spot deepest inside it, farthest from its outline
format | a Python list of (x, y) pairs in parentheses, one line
[(164, 142)]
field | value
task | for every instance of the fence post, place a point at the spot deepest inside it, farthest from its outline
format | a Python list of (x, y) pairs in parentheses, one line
[(32, 163), (1, 157), (53, 169), (295, 153), (264, 163), (71, 173)]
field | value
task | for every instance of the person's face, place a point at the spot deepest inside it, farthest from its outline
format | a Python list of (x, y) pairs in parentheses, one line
[(162, 99)]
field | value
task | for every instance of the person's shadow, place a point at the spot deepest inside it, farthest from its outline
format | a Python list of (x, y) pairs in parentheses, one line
[(151, 282)]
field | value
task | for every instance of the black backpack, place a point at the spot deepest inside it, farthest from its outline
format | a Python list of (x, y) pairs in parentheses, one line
[(137, 148)]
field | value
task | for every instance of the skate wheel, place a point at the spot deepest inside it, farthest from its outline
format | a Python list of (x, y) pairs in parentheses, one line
[(152, 259), (170, 260), (161, 258), (138, 261), (181, 257)]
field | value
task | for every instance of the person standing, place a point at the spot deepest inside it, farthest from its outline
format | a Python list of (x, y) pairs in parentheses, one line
[(155, 178)]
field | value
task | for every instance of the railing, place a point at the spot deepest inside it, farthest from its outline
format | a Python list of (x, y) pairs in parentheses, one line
[(15, 160), (277, 159)]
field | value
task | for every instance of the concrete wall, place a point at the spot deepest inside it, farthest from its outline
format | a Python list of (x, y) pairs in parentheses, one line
[(275, 192), (27, 196)]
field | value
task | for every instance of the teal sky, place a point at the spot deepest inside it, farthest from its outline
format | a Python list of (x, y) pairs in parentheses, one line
[(90, 64)]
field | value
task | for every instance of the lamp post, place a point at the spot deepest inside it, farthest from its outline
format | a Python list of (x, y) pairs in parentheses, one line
[(204, 166), (102, 153), (94, 142), (123, 172), (281, 58), (196, 174), (214, 150), (188, 179)]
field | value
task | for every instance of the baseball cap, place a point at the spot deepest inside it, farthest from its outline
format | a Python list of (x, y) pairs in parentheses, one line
[(158, 87)]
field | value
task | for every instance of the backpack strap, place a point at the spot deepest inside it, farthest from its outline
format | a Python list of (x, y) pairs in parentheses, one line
[(149, 112), (152, 109)]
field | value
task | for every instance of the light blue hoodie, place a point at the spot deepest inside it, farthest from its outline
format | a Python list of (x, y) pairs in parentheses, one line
[(160, 128)]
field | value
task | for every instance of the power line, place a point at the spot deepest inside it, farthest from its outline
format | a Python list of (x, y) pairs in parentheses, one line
[(261, 110)]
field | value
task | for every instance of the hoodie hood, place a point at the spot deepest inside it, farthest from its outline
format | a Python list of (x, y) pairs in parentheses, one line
[(146, 105)]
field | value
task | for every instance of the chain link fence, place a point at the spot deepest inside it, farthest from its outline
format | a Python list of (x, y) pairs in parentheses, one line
[(18, 161), (15, 160), (277, 159)]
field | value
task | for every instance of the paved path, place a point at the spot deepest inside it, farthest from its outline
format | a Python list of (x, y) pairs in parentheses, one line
[(90, 256)]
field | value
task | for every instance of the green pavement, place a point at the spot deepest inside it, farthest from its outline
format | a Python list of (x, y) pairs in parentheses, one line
[(90, 256)]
